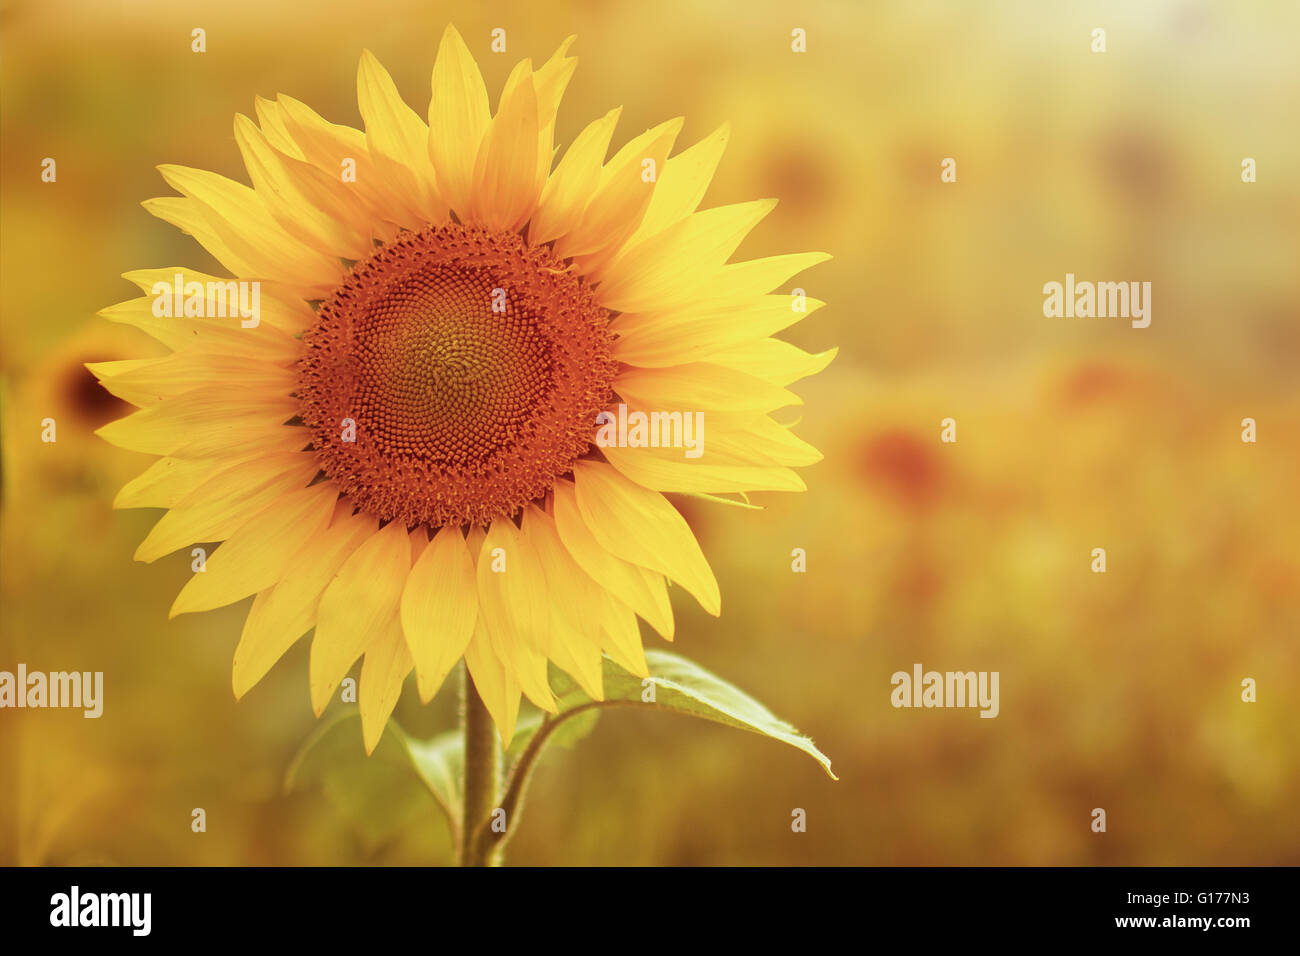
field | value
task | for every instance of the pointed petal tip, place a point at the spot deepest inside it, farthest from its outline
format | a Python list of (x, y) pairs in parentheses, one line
[(451, 35), (148, 554), (714, 605), (320, 697)]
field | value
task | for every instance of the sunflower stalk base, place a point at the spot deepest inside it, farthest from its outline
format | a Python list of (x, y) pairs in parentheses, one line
[(482, 779)]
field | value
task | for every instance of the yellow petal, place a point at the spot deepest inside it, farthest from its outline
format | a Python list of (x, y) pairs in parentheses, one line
[(241, 220), (208, 334), (513, 605), (682, 184), (220, 507), (702, 387), (505, 175), (580, 658), (550, 82), (669, 269), (341, 153), (238, 477), (278, 312), (206, 422), (574, 599), (621, 195), (358, 607), (737, 452), (759, 440), (192, 219), (664, 469), (496, 687), (419, 542), (622, 637), (760, 276), (776, 362), (168, 480), (640, 526), (270, 117), (286, 612), (458, 119), (642, 590), (694, 333), (257, 555), (294, 194), (150, 381), (439, 608), (383, 672), (569, 189), (399, 143), (109, 372)]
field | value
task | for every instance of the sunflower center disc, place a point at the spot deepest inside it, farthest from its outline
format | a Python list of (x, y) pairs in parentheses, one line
[(454, 376)]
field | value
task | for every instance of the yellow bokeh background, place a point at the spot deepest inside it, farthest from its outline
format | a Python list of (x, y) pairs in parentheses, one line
[(1119, 691)]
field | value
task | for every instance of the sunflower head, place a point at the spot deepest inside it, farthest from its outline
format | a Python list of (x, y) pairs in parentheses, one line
[(434, 411)]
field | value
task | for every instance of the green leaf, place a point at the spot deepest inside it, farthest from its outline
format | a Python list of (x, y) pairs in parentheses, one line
[(375, 792), (378, 795), (681, 686), (684, 687), (440, 764)]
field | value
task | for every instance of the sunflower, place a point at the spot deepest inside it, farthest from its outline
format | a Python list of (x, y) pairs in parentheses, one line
[(398, 445)]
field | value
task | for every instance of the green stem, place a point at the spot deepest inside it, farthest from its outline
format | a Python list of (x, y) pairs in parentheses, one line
[(482, 777), (491, 842)]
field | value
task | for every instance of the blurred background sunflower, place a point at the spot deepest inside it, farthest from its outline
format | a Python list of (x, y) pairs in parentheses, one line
[(1119, 690)]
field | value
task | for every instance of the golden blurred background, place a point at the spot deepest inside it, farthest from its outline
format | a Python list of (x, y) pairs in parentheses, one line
[(1122, 690)]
